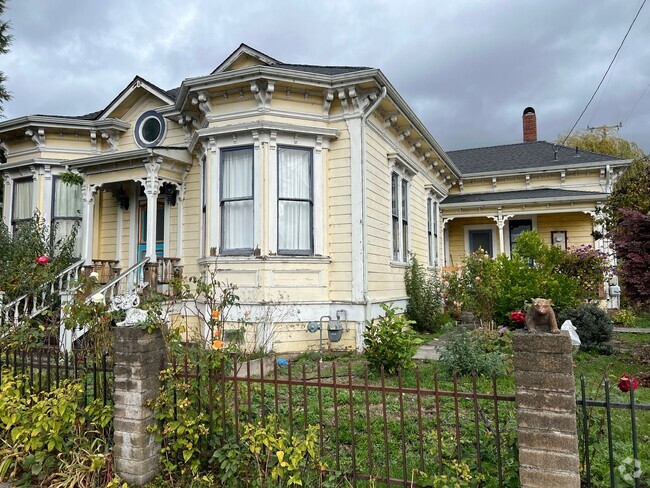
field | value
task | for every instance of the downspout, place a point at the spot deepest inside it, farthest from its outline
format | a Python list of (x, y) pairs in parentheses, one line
[(364, 209)]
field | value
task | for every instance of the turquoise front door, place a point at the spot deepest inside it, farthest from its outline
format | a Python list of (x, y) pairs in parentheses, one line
[(160, 230)]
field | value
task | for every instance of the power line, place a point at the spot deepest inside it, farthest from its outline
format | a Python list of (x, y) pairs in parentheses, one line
[(605, 75), (637, 102)]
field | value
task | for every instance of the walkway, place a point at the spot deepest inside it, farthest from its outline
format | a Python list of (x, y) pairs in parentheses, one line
[(631, 330)]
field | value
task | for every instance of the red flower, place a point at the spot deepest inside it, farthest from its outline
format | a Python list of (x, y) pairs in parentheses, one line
[(518, 317), (42, 260), (626, 382)]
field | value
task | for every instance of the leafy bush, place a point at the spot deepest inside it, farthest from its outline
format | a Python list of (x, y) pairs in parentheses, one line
[(593, 326), (51, 436), (268, 452), (631, 237), (389, 342), (493, 288), (482, 351), (589, 266), (425, 301), (624, 317), (19, 271)]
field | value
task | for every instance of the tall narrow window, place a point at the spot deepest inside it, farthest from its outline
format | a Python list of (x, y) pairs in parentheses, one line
[(430, 239), (66, 211), (21, 209), (237, 226), (400, 217), (395, 215), (405, 221), (295, 201)]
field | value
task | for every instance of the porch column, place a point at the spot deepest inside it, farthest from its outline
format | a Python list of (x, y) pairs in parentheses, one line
[(88, 217), (501, 220), (152, 189)]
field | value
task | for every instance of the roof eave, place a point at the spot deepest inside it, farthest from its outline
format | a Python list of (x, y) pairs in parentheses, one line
[(547, 169), (576, 198), (47, 121)]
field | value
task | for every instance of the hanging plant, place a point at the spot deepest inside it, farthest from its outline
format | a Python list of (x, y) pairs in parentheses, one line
[(71, 178)]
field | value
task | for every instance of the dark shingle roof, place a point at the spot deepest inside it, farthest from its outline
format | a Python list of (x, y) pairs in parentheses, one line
[(90, 116), (173, 93), (514, 157), (529, 195), (321, 70)]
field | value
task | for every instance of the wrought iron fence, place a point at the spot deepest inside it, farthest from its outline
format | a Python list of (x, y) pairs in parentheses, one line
[(611, 453), (393, 430), (46, 369)]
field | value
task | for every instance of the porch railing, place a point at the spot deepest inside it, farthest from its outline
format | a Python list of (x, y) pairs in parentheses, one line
[(32, 304), (168, 269), (129, 281), (107, 269)]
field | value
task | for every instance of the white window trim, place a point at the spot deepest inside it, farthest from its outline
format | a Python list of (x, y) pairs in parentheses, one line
[(265, 143), (506, 230), (433, 248), (495, 236), (403, 174), (298, 141)]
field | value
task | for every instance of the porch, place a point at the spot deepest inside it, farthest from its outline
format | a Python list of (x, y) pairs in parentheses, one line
[(134, 211)]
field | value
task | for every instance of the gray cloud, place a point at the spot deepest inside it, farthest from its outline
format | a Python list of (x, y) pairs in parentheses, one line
[(468, 68)]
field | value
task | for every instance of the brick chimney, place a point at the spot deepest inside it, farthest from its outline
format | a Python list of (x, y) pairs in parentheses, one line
[(530, 125)]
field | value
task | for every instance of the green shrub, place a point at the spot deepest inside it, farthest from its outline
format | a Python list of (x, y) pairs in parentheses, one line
[(19, 272), (624, 317), (425, 301), (482, 351), (266, 452), (51, 435), (389, 342), (593, 326)]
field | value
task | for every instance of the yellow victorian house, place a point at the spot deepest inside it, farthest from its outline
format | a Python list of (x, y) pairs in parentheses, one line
[(307, 186)]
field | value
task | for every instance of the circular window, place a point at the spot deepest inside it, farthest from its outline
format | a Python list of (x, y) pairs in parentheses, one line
[(149, 129)]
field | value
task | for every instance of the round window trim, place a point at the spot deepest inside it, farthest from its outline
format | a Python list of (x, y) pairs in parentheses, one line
[(143, 129)]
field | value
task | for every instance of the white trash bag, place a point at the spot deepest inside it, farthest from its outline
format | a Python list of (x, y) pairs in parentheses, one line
[(575, 339)]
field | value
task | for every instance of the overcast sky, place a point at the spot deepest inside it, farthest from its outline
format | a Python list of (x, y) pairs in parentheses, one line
[(468, 68)]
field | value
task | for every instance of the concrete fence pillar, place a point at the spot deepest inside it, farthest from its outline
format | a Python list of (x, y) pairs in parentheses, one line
[(546, 410), (139, 358)]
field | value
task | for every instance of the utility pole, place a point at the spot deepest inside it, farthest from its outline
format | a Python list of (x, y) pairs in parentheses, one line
[(605, 129)]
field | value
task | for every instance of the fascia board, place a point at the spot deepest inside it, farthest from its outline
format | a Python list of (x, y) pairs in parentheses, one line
[(498, 203), (271, 73), (45, 121), (417, 123), (547, 169), (268, 125), (134, 85)]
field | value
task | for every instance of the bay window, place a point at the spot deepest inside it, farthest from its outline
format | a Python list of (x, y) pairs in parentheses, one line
[(23, 197), (237, 225), (295, 201), (66, 211)]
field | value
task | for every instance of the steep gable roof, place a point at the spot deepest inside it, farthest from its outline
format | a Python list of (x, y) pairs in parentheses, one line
[(136, 83), (522, 156), (244, 51)]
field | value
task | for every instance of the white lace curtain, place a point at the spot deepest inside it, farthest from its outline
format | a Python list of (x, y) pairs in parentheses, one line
[(67, 200), (294, 199), (237, 199), (22, 201)]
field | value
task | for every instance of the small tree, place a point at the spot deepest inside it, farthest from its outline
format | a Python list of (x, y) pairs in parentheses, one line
[(5, 40), (604, 142), (631, 237), (425, 300)]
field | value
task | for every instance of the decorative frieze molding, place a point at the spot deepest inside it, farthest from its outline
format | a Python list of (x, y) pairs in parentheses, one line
[(93, 140)]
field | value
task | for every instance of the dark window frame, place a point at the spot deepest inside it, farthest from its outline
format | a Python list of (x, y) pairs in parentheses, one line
[(14, 221)]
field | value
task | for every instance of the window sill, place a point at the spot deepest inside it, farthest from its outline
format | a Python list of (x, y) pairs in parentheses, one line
[(271, 259), (399, 264)]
